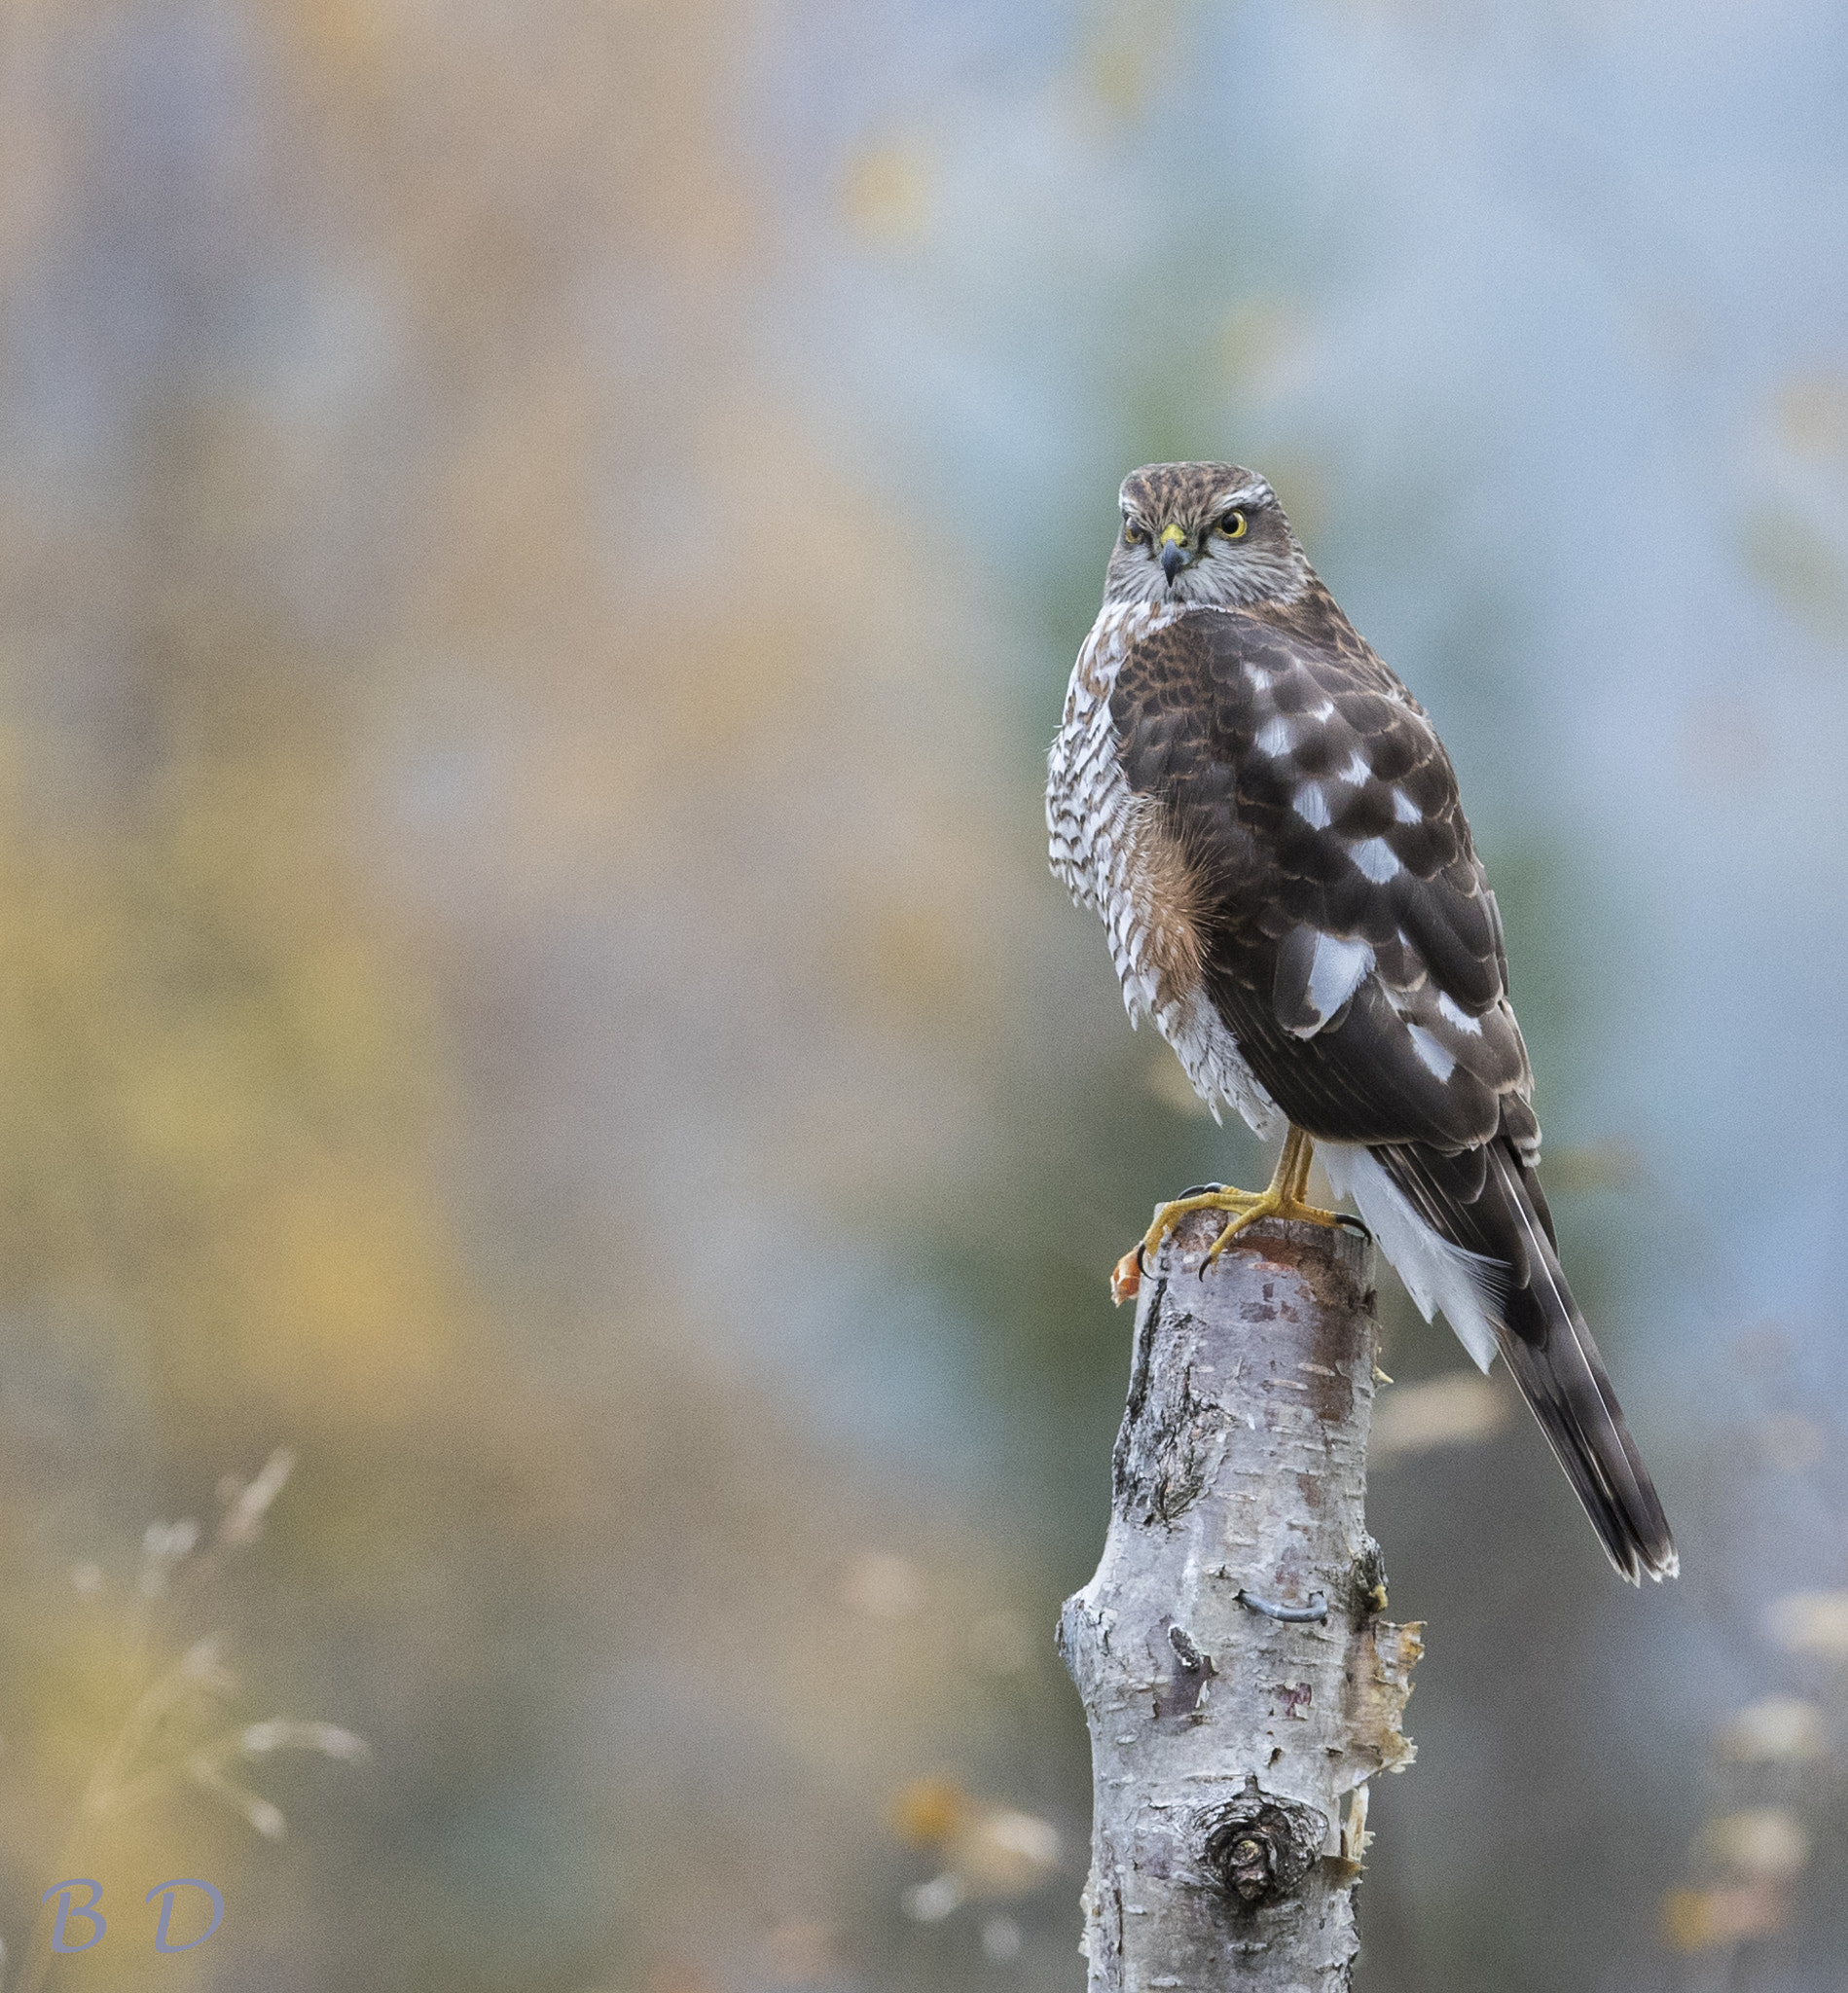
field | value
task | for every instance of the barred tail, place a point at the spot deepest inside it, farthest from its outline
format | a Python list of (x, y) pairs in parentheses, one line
[(1550, 1355), (1471, 1234)]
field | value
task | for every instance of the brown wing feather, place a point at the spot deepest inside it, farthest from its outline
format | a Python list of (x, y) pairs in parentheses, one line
[(1312, 795)]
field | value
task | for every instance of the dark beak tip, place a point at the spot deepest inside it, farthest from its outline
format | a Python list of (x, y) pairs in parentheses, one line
[(1173, 560)]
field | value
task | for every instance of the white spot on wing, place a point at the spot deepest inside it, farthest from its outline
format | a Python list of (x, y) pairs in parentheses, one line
[(1312, 805), (1431, 1053), (1404, 809), (1273, 738), (1454, 1013), (1323, 710), (1375, 858), (1335, 971), (1356, 770), (1261, 680)]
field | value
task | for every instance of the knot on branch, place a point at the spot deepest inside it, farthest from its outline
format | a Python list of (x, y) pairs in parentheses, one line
[(1258, 1848), (1370, 1581)]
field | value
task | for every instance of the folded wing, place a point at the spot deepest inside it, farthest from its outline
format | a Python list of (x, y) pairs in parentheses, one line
[(1350, 942)]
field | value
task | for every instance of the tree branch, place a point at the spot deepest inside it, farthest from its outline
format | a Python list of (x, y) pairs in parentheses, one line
[(1238, 1677)]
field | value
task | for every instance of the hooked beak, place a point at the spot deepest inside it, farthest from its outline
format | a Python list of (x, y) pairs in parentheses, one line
[(1174, 551)]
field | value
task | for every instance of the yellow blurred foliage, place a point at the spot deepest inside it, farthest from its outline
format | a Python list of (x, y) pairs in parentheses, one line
[(886, 193), (434, 609), (213, 1105)]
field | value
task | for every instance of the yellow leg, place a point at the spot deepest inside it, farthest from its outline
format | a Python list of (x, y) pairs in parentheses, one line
[(1281, 1198)]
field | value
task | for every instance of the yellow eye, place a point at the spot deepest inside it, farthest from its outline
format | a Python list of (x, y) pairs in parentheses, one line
[(1232, 525), (1133, 535)]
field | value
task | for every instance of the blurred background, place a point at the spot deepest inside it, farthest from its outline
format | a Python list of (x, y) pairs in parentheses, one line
[(559, 1147)]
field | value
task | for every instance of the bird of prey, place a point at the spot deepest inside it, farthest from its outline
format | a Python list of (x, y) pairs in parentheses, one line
[(1270, 828)]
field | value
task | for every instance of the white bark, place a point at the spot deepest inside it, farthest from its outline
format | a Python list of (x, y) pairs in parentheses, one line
[(1230, 1750)]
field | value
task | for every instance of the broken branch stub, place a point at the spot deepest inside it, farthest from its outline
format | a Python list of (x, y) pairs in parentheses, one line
[(1239, 1680)]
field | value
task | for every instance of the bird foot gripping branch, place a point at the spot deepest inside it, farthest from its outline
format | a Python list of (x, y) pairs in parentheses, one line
[(1283, 1197)]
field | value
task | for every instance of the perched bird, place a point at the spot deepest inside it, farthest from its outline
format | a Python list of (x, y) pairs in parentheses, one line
[(1269, 827)]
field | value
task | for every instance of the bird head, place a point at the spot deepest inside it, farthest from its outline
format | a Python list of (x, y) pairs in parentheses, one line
[(1207, 535)]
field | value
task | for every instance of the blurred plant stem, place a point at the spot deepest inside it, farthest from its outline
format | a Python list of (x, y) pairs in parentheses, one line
[(101, 1796), (117, 1782)]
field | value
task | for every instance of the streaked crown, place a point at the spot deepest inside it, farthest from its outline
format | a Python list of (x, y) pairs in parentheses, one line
[(1192, 491)]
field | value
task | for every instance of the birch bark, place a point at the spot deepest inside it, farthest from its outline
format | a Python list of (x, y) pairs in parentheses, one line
[(1230, 1747)]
